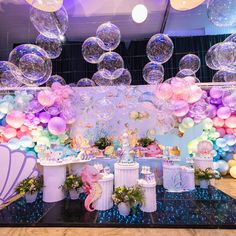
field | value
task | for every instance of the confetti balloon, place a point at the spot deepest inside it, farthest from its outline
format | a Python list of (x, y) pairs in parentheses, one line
[(56, 125), (159, 48), (45, 5), (34, 63), (50, 24), (52, 46), (110, 62), (109, 35), (85, 82), (153, 73), (55, 78), (9, 75), (15, 119), (104, 109), (190, 62), (222, 13), (92, 49)]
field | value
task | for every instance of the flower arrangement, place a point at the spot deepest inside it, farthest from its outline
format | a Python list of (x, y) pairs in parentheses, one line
[(102, 143), (30, 185), (130, 196), (144, 142), (206, 174), (72, 182)]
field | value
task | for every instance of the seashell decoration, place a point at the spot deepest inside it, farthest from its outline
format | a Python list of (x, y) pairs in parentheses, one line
[(204, 148), (15, 166)]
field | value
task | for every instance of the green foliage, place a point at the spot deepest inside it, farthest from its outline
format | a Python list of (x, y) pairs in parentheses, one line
[(72, 182), (206, 174), (131, 196), (102, 143), (144, 142), (31, 185)]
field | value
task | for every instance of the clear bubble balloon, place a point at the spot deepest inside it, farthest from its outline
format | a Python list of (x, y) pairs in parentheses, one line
[(184, 73), (55, 78), (92, 50), (50, 24), (224, 76), (222, 13), (104, 109), (110, 36), (226, 56), (124, 78), (52, 46), (160, 48), (34, 63), (231, 38), (190, 62), (229, 99), (153, 73), (110, 62), (85, 82), (9, 74), (100, 80), (211, 57)]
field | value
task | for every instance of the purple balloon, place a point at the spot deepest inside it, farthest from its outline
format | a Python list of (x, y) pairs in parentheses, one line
[(44, 117), (211, 111), (57, 125)]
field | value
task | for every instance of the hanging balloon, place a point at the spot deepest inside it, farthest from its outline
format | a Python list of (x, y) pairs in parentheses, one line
[(226, 56), (231, 38), (124, 78), (109, 63), (9, 75), (224, 76), (211, 57), (110, 36), (222, 13), (190, 62), (34, 63), (92, 50), (55, 78), (85, 82), (153, 73), (100, 80), (45, 5), (104, 109), (51, 46), (159, 48), (50, 24)]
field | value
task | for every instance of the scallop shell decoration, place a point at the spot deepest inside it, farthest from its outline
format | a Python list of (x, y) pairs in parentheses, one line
[(15, 166)]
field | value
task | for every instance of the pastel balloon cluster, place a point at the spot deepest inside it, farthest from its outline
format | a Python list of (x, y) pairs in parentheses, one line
[(31, 118)]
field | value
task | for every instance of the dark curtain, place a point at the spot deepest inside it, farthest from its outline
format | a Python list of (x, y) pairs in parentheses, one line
[(72, 67)]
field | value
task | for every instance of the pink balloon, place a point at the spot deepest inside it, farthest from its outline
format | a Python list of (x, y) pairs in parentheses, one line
[(46, 98), (180, 89), (224, 112), (15, 119), (221, 131), (180, 108), (218, 122), (9, 133), (216, 92), (44, 117), (57, 125), (163, 91), (231, 122), (195, 94), (211, 111), (229, 131)]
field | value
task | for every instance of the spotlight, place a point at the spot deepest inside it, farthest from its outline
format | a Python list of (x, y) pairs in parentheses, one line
[(139, 13)]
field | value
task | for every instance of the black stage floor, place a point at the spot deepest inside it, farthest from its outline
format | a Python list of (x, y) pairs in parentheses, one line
[(196, 209)]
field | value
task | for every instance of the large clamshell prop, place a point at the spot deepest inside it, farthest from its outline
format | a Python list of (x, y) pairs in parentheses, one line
[(15, 166)]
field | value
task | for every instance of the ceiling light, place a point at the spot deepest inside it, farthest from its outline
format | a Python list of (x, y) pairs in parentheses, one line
[(139, 13), (184, 5), (46, 5)]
